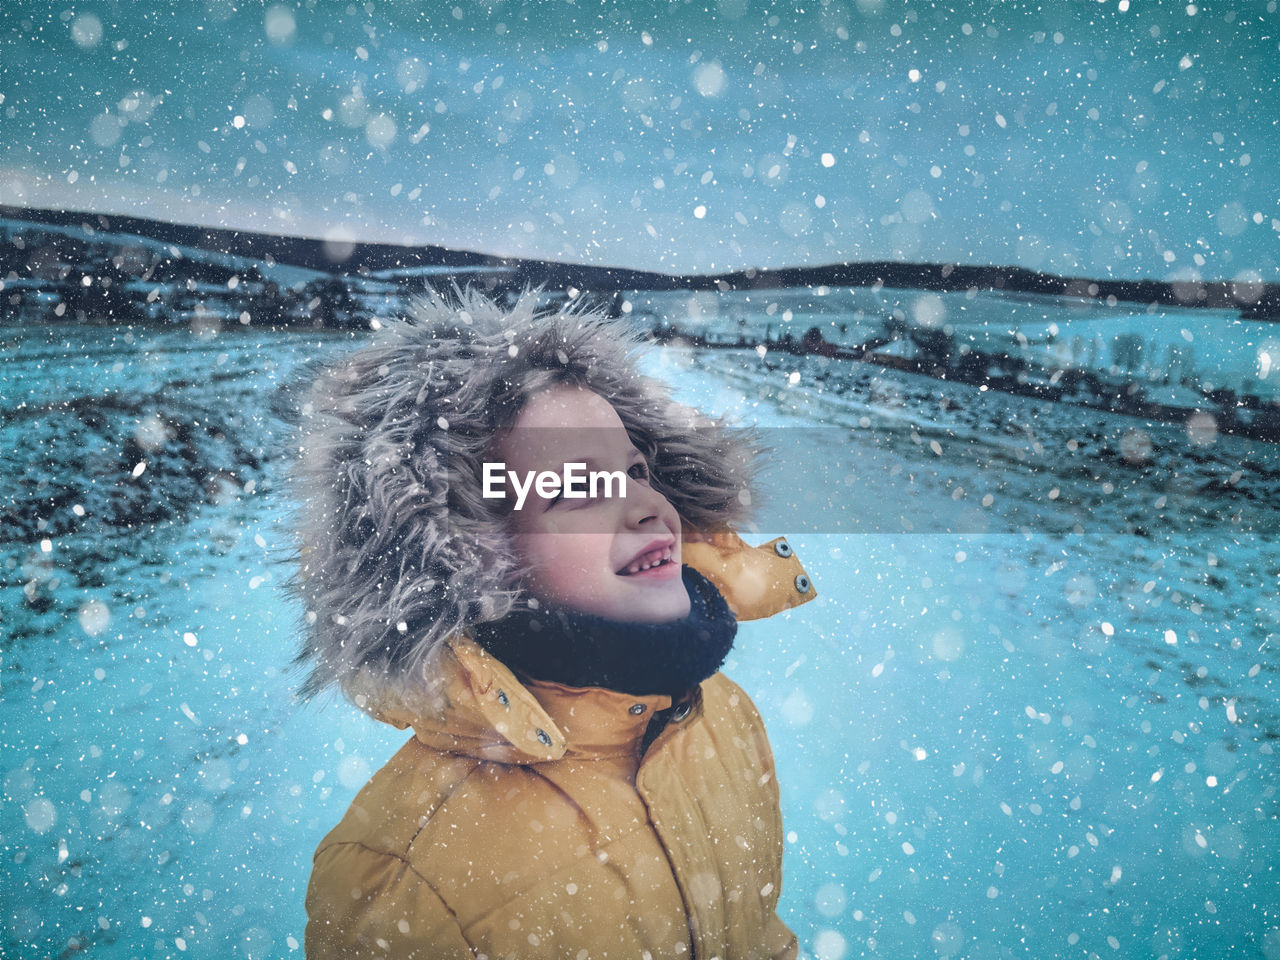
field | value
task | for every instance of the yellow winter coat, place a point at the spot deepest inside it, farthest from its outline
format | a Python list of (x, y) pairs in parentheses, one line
[(528, 819)]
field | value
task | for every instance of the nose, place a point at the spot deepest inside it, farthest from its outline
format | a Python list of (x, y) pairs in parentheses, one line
[(643, 504)]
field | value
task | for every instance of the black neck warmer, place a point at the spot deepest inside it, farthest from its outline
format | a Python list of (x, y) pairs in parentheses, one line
[(641, 659)]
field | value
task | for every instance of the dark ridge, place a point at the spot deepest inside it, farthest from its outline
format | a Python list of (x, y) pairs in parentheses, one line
[(335, 257), (1253, 301)]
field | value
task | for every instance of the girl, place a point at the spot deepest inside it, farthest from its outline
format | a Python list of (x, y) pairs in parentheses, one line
[(581, 781)]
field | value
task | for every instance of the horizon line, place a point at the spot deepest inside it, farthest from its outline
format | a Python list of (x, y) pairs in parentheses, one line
[(747, 272)]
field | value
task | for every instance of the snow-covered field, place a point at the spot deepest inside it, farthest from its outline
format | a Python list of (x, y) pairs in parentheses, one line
[(996, 736), (1022, 743), (1159, 346)]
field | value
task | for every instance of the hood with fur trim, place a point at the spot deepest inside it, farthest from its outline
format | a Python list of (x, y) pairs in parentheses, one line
[(396, 549)]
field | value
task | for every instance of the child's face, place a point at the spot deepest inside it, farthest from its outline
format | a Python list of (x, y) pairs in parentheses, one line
[(580, 550)]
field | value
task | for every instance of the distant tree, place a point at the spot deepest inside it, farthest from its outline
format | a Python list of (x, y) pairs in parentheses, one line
[(99, 298), (268, 307), (814, 342), (329, 302), (1126, 351)]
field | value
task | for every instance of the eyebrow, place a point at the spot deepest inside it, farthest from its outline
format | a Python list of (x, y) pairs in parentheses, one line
[(594, 462), (591, 463)]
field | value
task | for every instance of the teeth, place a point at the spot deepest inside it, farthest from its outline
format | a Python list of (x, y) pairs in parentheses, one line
[(659, 557)]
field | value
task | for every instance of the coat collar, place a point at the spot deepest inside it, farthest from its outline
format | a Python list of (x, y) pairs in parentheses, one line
[(473, 705), (467, 702)]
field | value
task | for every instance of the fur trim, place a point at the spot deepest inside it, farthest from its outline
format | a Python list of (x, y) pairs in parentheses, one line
[(396, 548)]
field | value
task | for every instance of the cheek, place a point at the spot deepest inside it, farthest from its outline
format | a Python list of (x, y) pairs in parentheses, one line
[(559, 561)]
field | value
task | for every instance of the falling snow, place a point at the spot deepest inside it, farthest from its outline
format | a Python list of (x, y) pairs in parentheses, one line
[(1034, 709)]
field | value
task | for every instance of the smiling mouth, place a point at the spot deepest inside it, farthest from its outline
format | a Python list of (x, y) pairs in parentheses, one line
[(660, 557)]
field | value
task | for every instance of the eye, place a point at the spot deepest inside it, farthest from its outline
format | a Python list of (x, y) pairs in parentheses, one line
[(639, 471)]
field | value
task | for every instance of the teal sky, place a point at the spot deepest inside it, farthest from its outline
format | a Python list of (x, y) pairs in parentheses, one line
[(1124, 138)]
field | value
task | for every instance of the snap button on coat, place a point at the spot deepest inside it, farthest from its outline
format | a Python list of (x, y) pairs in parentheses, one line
[(680, 712), (637, 709), (802, 583), (782, 548)]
